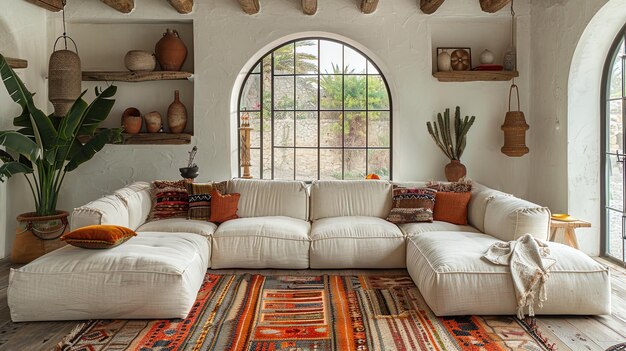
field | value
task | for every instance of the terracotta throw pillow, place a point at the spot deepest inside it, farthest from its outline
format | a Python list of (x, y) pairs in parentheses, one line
[(170, 199), (223, 207), (451, 207), (200, 199), (412, 205), (98, 236)]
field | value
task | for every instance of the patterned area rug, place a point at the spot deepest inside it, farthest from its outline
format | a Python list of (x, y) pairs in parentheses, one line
[(314, 313)]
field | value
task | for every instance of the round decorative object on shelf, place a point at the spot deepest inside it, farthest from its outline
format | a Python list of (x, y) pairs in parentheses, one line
[(509, 60), (460, 60), (131, 120), (177, 115), (444, 63), (140, 61), (154, 123), (64, 80), (171, 51), (486, 57)]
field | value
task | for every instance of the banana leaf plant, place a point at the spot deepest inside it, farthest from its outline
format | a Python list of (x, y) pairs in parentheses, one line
[(45, 148), (441, 133)]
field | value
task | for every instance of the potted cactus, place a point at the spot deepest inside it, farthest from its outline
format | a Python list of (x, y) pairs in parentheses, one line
[(451, 145)]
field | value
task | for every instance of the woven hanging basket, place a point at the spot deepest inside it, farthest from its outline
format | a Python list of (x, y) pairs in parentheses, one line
[(514, 128), (64, 78)]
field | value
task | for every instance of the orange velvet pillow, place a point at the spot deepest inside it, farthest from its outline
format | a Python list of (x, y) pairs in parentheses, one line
[(451, 207), (223, 207), (98, 236)]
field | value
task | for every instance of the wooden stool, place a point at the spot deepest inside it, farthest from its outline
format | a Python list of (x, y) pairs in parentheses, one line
[(570, 230)]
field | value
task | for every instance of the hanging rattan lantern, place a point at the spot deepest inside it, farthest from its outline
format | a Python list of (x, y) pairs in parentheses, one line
[(64, 75), (514, 128)]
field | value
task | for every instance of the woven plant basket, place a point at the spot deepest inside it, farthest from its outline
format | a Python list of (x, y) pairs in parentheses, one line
[(514, 128)]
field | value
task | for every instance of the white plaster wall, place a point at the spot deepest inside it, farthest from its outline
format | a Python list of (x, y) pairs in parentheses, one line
[(22, 35), (570, 41)]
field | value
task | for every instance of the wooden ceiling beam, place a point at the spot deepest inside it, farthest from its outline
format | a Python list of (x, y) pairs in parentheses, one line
[(430, 6), (182, 6), (309, 7), (51, 5), (123, 6), (369, 6), (250, 7), (493, 5)]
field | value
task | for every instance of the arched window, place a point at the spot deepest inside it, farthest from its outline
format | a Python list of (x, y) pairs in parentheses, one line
[(320, 109), (614, 117)]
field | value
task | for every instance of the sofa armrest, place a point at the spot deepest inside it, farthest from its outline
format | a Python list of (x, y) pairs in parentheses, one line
[(508, 218), (109, 209)]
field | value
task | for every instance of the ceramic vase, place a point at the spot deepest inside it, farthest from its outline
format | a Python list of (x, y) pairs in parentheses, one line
[(171, 51), (131, 120), (64, 80), (455, 170), (177, 115), (509, 60), (444, 63), (486, 57), (154, 124), (140, 61)]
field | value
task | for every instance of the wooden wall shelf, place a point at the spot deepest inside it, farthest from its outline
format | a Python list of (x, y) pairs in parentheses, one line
[(126, 76), (151, 139), (475, 76), (16, 63)]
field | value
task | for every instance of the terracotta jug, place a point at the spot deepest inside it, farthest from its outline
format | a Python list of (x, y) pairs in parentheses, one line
[(131, 120), (153, 122), (170, 51), (177, 115), (455, 170)]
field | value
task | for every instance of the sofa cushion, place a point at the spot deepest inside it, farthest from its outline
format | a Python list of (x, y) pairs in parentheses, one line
[(223, 207), (454, 279), (339, 198), (410, 229), (477, 204), (151, 276), (179, 225), (508, 218), (262, 242), (260, 198), (109, 209), (411, 205), (138, 202), (356, 242), (98, 236)]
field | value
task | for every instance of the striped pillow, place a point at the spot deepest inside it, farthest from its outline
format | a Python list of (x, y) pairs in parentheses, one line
[(200, 199), (412, 205), (170, 199)]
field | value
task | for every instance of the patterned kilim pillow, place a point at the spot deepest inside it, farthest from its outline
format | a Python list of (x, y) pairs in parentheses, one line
[(170, 199), (412, 205), (462, 186), (200, 199)]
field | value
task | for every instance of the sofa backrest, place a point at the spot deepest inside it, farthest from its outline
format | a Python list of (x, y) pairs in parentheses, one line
[(508, 218), (138, 201), (262, 198), (337, 198), (477, 205)]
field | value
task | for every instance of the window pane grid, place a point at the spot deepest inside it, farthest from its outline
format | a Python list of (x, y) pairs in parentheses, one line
[(292, 96)]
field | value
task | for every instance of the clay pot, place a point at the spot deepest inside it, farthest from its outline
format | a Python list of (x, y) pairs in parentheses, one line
[(170, 51), (64, 80), (131, 120), (177, 115), (154, 124), (189, 172), (455, 170), (38, 235), (140, 61)]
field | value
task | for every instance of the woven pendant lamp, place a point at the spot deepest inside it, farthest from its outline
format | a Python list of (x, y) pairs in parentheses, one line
[(64, 75), (515, 125)]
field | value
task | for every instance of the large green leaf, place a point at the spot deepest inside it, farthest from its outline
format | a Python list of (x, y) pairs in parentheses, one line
[(15, 86), (20, 143), (8, 169), (71, 121), (97, 111), (87, 151)]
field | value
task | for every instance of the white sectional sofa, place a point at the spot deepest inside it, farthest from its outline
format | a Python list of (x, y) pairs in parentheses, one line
[(289, 225)]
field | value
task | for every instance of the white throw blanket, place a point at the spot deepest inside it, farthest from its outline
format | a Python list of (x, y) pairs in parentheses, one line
[(529, 262)]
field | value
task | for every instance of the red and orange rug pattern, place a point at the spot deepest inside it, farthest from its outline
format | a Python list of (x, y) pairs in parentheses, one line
[(307, 313)]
